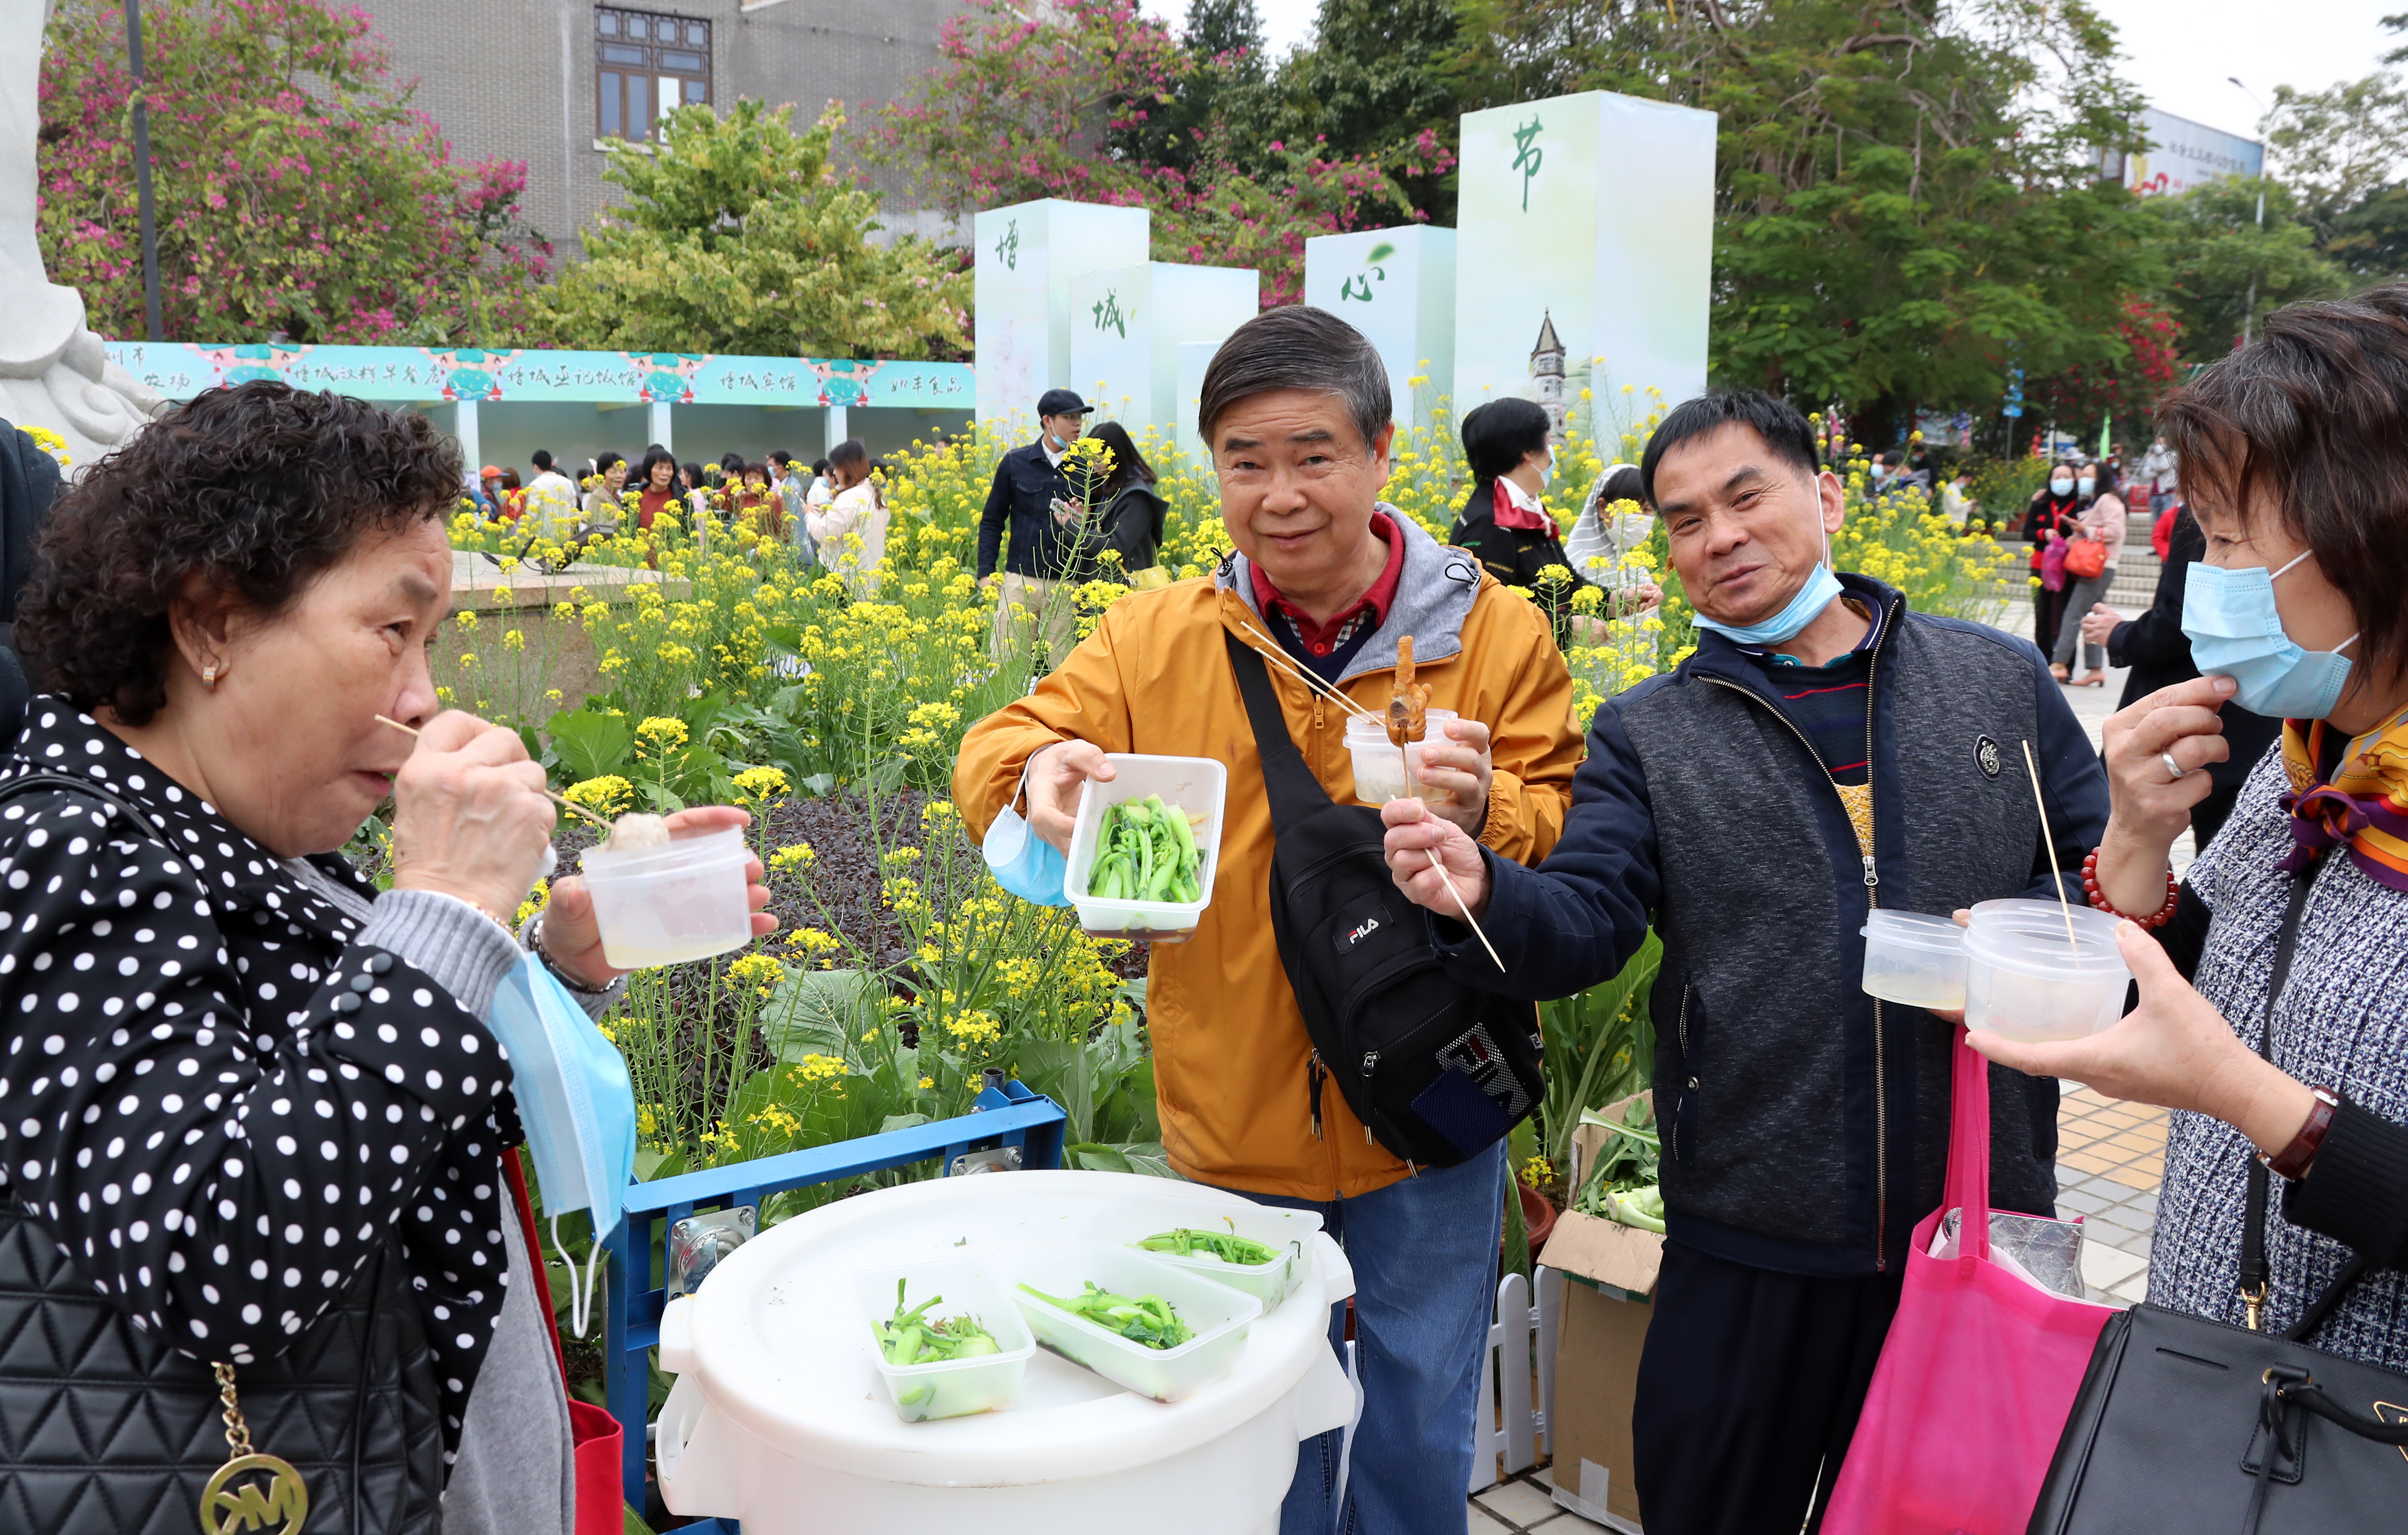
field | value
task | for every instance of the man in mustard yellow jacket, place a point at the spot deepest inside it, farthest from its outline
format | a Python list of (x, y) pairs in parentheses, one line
[(1295, 409)]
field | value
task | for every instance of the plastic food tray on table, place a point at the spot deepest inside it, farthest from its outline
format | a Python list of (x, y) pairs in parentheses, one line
[(1007, 1115)]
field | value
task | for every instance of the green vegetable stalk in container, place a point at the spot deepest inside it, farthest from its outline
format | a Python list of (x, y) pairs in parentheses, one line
[(1146, 1319), (1145, 851)]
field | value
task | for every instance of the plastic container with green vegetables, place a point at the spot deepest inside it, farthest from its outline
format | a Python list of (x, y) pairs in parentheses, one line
[(1286, 1235), (1215, 1317), (948, 1340), (1146, 847)]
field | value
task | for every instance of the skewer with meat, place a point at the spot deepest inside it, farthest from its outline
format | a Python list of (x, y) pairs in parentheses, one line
[(1409, 704)]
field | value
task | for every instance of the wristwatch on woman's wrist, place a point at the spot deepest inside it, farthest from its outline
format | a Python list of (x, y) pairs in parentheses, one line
[(2294, 1160)]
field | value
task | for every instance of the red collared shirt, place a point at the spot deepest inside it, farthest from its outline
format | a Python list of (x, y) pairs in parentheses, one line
[(1369, 612)]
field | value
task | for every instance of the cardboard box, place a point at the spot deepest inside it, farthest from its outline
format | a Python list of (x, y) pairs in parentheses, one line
[(1610, 1272)]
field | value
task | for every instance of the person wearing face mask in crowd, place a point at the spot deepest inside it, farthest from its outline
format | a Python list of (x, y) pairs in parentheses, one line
[(1825, 750), (1034, 612), (1507, 527), (2097, 540), (2297, 610), (2055, 515)]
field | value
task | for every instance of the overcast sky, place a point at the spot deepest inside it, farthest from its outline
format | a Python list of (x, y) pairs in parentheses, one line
[(2178, 51)]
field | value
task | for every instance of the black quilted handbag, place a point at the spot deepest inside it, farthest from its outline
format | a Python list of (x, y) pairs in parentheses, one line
[(2185, 1424), (106, 1431)]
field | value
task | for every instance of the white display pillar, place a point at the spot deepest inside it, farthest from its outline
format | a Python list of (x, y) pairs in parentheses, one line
[(1028, 256), (1396, 286), (1128, 324), (1584, 254), (659, 413), (463, 429)]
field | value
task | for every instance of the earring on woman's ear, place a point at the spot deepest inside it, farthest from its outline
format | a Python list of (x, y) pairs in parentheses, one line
[(209, 676)]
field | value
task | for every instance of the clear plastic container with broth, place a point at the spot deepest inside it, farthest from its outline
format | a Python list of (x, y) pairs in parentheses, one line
[(1916, 960), (669, 904), (1380, 764), (2024, 981)]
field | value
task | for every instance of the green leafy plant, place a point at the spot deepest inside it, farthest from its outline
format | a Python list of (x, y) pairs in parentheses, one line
[(1600, 1045)]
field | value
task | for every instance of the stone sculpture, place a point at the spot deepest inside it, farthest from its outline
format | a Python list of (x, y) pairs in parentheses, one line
[(54, 371)]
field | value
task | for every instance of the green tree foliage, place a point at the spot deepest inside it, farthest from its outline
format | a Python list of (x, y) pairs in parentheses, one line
[(1380, 78), (2340, 151), (1907, 201), (2215, 249), (299, 193), (739, 235), (1096, 102)]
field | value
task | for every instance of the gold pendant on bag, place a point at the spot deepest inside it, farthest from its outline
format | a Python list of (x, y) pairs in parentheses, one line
[(251, 1494)]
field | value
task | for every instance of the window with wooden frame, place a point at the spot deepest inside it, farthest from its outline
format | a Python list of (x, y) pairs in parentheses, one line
[(646, 65)]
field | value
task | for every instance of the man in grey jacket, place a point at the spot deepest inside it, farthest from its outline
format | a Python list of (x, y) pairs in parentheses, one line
[(1824, 751)]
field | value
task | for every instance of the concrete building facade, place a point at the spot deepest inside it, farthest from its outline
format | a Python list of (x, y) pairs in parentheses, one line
[(547, 80)]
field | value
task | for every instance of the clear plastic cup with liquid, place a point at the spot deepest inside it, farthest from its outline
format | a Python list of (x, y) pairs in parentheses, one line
[(669, 904), (1380, 763), (1915, 960), (2023, 981)]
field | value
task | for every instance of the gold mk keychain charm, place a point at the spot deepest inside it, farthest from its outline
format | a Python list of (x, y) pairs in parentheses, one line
[(255, 1506)]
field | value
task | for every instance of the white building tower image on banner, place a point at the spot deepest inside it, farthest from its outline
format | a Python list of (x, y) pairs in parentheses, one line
[(1547, 375)]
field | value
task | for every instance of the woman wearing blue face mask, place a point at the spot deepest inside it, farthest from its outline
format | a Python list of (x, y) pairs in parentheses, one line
[(2055, 513), (2095, 542), (2271, 976), (1505, 523), (256, 1116)]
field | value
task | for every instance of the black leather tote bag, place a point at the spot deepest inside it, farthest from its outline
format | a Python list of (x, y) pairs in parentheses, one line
[(2191, 1425)]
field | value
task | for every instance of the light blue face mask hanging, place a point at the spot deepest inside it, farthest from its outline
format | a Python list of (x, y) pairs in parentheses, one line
[(578, 1107), (1023, 862), (2236, 631)]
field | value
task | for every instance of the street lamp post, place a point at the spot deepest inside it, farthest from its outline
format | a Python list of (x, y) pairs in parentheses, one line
[(152, 329), (2249, 312)]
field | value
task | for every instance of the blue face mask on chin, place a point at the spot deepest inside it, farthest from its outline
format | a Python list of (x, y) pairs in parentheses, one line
[(1023, 862), (2236, 631), (577, 1106)]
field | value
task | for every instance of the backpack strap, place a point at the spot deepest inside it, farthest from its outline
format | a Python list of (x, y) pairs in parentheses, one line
[(1295, 793)]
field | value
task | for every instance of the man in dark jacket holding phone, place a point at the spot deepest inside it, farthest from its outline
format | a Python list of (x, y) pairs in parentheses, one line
[(1033, 496), (1826, 750)]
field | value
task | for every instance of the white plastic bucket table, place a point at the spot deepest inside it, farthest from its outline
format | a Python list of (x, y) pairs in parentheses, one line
[(778, 1419)]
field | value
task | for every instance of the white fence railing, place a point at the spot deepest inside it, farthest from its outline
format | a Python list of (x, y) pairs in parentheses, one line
[(1511, 1422)]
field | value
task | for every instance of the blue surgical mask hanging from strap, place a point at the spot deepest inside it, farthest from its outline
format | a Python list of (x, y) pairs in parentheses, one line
[(577, 1106), (2236, 631), (1820, 587), (1023, 862)]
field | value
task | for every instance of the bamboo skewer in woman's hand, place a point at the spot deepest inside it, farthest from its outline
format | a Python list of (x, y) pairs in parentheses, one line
[(561, 800)]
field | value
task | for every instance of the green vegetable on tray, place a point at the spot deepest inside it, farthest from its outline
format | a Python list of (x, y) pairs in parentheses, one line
[(1228, 1246), (1146, 1319), (909, 1337), (1626, 1183), (1145, 851)]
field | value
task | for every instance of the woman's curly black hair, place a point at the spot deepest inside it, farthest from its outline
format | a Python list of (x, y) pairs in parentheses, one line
[(259, 489)]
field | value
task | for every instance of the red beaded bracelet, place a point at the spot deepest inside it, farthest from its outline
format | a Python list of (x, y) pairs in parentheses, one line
[(2090, 890)]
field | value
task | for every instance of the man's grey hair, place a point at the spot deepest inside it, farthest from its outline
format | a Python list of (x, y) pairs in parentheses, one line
[(1298, 346)]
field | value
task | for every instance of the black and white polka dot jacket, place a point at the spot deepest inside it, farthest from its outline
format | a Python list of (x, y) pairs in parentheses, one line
[(221, 1096)]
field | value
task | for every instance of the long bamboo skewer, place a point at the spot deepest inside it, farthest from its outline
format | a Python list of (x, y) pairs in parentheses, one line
[(2031, 764), (1318, 685), (597, 818)]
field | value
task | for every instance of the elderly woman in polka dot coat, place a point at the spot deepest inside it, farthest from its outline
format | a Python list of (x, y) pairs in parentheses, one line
[(251, 1123)]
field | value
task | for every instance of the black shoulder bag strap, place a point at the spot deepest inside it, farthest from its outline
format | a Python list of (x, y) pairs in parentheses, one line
[(1295, 793), (42, 778), (2254, 1267)]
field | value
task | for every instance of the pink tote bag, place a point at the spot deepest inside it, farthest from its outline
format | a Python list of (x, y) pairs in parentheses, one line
[(1977, 1376)]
